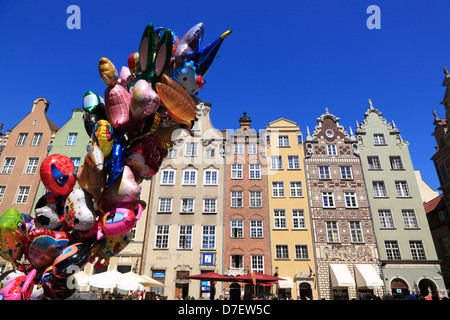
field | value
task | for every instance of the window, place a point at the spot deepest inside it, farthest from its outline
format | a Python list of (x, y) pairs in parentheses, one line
[(237, 229), (444, 244), (238, 148), (168, 177), (189, 177), (256, 229), (296, 189), (237, 261), (328, 199), (8, 165), (324, 173), (208, 237), (255, 199), (298, 219), (350, 200), (277, 163), (332, 231), (191, 149), (2, 192), (252, 148), (386, 221), (210, 153), (443, 171), (236, 171), (332, 150), (293, 162), (356, 231), (417, 250), (237, 200), (346, 173), (71, 139), (257, 263), (277, 189), (22, 139), (162, 237), (254, 171), (187, 205), (374, 163), (165, 205), (210, 205), (379, 138), (22, 195), (402, 189), (409, 219), (32, 165), (210, 177), (396, 163), (392, 250), (185, 237), (37, 137), (379, 189), (172, 153), (279, 219), (283, 141), (281, 251), (76, 163), (301, 251)]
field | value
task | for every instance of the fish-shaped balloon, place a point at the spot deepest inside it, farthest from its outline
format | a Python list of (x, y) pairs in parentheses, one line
[(188, 44)]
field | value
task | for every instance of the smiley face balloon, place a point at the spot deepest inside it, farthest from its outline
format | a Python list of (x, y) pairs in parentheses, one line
[(58, 174)]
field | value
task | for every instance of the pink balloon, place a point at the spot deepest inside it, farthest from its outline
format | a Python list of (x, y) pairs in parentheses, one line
[(144, 100), (117, 106), (125, 77), (121, 220)]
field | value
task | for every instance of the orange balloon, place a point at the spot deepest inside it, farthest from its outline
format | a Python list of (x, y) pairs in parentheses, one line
[(175, 103), (171, 83), (108, 71)]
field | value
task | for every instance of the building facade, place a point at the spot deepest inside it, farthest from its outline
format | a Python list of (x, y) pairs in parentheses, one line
[(24, 148), (438, 209), (70, 140), (290, 229), (246, 221), (406, 249), (185, 234), (344, 237)]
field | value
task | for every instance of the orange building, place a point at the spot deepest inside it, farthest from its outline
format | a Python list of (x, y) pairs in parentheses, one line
[(24, 147), (246, 222)]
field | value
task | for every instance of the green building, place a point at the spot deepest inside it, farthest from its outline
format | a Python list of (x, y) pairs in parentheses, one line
[(408, 258), (72, 141)]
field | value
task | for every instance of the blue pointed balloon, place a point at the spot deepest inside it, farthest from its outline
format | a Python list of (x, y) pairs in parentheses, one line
[(204, 58)]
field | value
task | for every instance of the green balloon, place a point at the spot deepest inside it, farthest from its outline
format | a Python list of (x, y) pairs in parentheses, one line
[(12, 235)]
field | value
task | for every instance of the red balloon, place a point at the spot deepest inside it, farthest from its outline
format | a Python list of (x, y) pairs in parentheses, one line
[(58, 174), (144, 157), (44, 245)]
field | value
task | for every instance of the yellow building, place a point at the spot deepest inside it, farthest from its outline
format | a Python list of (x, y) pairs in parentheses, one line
[(290, 229)]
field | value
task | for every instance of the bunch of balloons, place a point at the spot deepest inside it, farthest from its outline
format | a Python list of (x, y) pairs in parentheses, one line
[(130, 130)]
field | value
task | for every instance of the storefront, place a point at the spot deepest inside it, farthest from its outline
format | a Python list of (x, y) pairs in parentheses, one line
[(341, 280)]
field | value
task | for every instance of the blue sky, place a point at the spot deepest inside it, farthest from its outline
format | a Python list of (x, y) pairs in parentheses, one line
[(285, 58)]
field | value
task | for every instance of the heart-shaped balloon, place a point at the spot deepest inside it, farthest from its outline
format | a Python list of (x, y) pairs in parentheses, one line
[(44, 245), (144, 100)]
